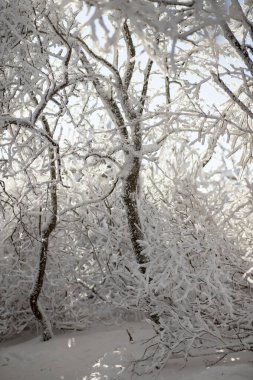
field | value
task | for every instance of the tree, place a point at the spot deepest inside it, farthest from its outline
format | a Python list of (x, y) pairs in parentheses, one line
[(218, 28), (22, 67), (137, 110)]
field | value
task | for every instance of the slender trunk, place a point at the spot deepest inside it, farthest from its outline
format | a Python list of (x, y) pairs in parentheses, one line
[(36, 309), (133, 218), (43, 250), (130, 202)]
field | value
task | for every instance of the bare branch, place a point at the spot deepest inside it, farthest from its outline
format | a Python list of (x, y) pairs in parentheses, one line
[(145, 86), (107, 100), (130, 55), (233, 97), (175, 3), (229, 35), (8, 120), (65, 42), (107, 64), (103, 156)]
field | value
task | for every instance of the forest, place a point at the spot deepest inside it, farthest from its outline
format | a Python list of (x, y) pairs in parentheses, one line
[(126, 186)]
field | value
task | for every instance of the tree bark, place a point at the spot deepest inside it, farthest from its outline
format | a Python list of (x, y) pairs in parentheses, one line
[(43, 250), (36, 309), (130, 184)]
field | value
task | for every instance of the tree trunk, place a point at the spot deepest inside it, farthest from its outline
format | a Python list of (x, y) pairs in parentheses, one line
[(38, 284), (36, 309), (43, 251), (130, 185)]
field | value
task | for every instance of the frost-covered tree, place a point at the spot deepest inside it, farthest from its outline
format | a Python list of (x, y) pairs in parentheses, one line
[(221, 33), (31, 78), (109, 140)]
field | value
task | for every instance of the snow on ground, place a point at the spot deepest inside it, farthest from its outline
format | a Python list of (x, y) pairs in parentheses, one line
[(102, 353)]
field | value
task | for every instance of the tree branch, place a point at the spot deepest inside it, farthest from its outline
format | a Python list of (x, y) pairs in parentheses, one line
[(175, 3), (130, 55), (91, 201), (230, 37), (7, 120), (109, 102), (145, 87), (232, 96)]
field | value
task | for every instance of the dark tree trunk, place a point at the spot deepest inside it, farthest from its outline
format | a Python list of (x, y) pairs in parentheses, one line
[(130, 202), (36, 309), (43, 250)]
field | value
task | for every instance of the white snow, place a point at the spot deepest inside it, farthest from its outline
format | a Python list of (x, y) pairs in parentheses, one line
[(105, 353)]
